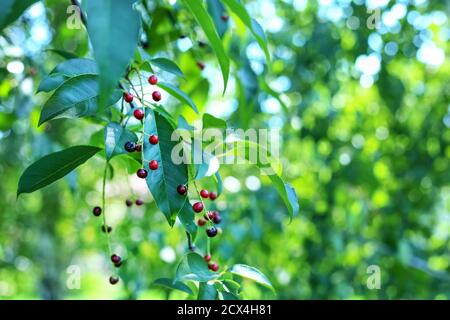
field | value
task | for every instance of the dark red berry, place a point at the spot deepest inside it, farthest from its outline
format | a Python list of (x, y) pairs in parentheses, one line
[(201, 222), (128, 97), (217, 219), (139, 202), (113, 280), (213, 195), (138, 114), (201, 65), (198, 207), (211, 232), (130, 146), (115, 258), (153, 139), (224, 17), (182, 189), (153, 165), (142, 173), (208, 258), (156, 95), (138, 148), (97, 211), (213, 266), (106, 229), (153, 79), (210, 215), (129, 203), (204, 194)]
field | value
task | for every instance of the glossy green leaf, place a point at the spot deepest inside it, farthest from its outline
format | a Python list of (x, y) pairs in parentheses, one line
[(113, 29), (207, 291), (62, 53), (201, 15), (209, 121), (116, 137), (77, 97), (164, 181), (66, 70), (216, 10), (287, 193), (187, 219), (53, 167), (167, 65), (171, 284), (219, 184), (177, 93), (11, 10), (250, 273), (239, 9), (193, 267)]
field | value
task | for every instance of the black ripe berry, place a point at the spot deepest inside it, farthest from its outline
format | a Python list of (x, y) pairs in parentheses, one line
[(217, 218), (213, 195), (153, 80), (182, 189), (201, 222), (153, 139), (130, 146), (128, 97), (116, 259), (204, 194), (97, 211), (213, 266), (224, 17), (129, 203), (106, 229), (197, 207), (156, 95), (142, 173), (153, 165), (113, 280), (211, 232), (139, 202), (208, 258), (201, 44), (138, 114), (138, 148)]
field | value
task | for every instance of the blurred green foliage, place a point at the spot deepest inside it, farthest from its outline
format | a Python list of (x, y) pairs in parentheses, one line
[(364, 116)]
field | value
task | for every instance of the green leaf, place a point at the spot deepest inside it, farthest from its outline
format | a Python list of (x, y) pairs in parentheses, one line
[(164, 181), (11, 10), (167, 65), (193, 267), (113, 29), (53, 167), (177, 93), (77, 97), (219, 184), (207, 292), (65, 54), (115, 138), (198, 11), (65, 70), (216, 10), (187, 219), (287, 193), (209, 121), (171, 284), (239, 9), (250, 273)]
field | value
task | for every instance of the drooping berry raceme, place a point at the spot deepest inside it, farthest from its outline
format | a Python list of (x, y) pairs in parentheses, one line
[(153, 79), (128, 97), (139, 202), (153, 165), (182, 189), (128, 202), (113, 280), (197, 207), (130, 146), (138, 148), (156, 95), (212, 195), (142, 173), (204, 194), (153, 139), (211, 232), (139, 114), (97, 211)]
